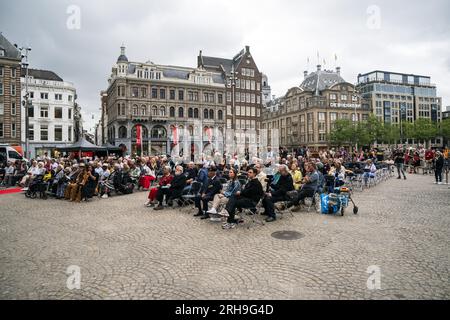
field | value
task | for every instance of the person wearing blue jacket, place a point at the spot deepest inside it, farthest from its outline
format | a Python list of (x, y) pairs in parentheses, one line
[(221, 199)]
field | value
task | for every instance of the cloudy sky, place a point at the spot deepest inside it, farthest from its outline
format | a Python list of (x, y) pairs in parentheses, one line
[(402, 36)]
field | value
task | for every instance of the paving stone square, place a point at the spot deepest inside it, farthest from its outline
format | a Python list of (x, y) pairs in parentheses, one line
[(127, 251)]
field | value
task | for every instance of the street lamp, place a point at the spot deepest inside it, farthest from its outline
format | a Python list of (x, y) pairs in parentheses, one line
[(232, 78), (27, 102)]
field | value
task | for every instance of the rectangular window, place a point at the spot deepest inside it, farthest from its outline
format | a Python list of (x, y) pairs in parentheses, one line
[(238, 83), (58, 113), (31, 111), (258, 86), (13, 108), (70, 113), (2, 109), (69, 98), (44, 112), (31, 131), (252, 85), (162, 93), (238, 97), (220, 98), (31, 95), (58, 97), (44, 96), (143, 92), (172, 95), (134, 92), (1, 88), (180, 95), (13, 89), (44, 132), (13, 130), (1, 130), (13, 72), (58, 133), (228, 96), (2, 71), (343, 97), (154, 93), (238, 110), (69, 133)]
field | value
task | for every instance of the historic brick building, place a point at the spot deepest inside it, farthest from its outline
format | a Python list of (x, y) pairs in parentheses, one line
[(243, 93), (10, 90)]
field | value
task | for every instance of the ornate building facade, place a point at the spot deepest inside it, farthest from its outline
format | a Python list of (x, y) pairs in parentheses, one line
[(306, 114), (151, 108)]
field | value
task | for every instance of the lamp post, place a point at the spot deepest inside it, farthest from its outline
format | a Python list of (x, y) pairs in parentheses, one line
[(27, 102), (232, 78)]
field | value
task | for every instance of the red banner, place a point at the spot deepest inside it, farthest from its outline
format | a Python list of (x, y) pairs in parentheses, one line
[(209, 133), (175, 135), (138, 135)]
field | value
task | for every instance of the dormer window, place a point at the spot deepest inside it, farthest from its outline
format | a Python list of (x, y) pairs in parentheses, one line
[(2, 52)]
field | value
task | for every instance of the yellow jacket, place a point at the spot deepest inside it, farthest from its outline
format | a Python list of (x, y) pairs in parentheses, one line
[(297, 178)]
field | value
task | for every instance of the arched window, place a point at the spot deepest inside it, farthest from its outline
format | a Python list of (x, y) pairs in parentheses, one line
[(190, 113), (135, 110), (154, 111), (191, 130), (172, 112), (143, 110), (196, 113), (180, 112), (205, 114), (220, 115), (159, 132), (122, 132), (162, 111), (211, 114)]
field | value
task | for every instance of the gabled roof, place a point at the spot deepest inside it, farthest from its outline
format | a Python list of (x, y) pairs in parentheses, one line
[(11, 52), (221, 64), (41, 74)]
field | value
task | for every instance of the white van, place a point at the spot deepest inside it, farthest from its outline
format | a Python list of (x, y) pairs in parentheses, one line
[(8, 153)]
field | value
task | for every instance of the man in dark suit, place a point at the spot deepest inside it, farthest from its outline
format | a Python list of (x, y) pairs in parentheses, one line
[(208, 192), (278, 192), (247, 198)]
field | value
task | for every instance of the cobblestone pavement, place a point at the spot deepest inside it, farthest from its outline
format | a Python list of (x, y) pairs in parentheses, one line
[(127, 251)]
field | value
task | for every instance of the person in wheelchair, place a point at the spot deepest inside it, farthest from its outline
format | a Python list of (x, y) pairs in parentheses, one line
[(278, 192), (338, 171), (310, 184)]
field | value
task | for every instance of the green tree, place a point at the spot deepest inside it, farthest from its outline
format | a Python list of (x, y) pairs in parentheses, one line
[(445, 128), (424, 129), (391, 133), (342, 133), (374, 128)]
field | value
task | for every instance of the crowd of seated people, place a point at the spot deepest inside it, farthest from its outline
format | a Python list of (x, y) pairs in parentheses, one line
[(224, 186)]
